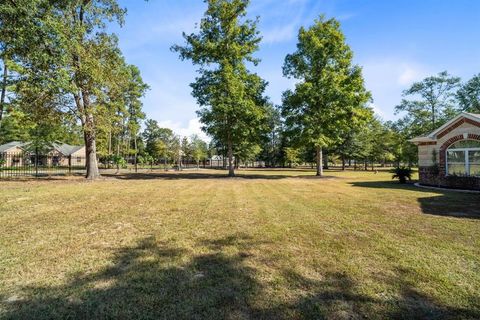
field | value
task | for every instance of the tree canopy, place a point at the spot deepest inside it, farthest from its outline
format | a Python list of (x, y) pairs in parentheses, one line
[(329, 96), (233, 108)]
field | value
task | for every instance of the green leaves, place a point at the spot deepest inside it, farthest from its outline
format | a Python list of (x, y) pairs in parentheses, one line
[(233, 108), (330, 96), (469, 95), (432, 105)]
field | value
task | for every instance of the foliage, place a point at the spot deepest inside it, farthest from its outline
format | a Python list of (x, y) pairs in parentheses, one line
[(233, 109), (434, 104), (271, 141), (329, 96), (69, 63), (159, 142), (199, 148), (119, 161), (469, 95), (402, 174), (292, 156)]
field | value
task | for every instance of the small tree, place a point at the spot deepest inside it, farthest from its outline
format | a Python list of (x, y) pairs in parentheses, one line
[(402, 174), (199, 149), (292, 156)]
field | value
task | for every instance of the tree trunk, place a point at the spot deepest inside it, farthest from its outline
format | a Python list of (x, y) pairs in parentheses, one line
[(231, 167), (4, 90), (325, 161), (319, 162), (433, 118), (136, 153), (88, 124), (343, 162), (91, 150)]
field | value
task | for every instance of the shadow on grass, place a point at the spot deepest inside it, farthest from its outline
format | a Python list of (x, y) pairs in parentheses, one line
[(157, 281), (445, 203), (338, 296), (150, 281), (207, 175)]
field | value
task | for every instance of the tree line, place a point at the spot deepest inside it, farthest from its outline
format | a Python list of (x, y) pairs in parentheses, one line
[(65, 78)]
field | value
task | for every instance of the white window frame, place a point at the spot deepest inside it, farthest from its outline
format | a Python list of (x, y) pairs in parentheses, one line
[(467, 159)]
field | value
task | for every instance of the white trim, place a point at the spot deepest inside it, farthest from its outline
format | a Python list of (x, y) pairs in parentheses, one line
[(432, 136), (467, 115), (466, 151), (445, 189)]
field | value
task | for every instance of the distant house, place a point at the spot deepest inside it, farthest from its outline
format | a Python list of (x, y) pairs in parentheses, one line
[(61, 153), (12, 153), (18, 153), (217, 161), (450, 155)]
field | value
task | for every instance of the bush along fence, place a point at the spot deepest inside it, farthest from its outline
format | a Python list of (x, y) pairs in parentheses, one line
[(38, 165)]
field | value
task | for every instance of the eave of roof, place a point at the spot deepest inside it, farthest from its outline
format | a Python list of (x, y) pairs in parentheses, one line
[(432, 136), (10, 145)]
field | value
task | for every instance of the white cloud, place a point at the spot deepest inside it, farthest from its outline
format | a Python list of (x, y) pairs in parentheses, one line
[(379, 112), (386, 78), (410, 74), (194, 127), (280, 34)]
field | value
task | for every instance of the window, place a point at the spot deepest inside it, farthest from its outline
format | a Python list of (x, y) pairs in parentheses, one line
[(463, 158)]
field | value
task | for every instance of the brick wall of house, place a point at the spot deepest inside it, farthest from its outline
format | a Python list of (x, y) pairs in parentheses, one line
[(431, 176)]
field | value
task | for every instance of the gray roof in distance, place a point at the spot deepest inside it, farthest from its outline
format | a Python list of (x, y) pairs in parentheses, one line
[(7, 146), (66, 149)]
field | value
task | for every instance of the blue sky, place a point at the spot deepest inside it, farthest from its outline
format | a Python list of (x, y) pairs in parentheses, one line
[(395, 41)]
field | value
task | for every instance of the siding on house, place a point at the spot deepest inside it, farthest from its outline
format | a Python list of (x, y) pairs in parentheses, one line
[(466, 126), (57, 156), (425, 151)]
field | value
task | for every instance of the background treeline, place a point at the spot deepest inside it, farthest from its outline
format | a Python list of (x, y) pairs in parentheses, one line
[(64, 78)]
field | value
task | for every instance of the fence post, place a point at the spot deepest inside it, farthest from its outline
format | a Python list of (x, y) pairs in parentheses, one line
[(70, 164), (36, 162)]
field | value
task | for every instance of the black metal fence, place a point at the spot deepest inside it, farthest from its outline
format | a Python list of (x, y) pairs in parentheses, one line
[(43, 165), (37, 165)]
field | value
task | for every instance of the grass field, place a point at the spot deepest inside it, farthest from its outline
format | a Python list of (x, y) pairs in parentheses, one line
[(268, 244)]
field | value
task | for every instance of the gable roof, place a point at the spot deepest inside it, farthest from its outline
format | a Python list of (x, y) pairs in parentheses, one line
[(432, 136), (62, 148), (14, 144), (66, 149)]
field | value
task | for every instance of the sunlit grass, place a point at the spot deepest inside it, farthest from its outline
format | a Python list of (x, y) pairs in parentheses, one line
[(267, 244)]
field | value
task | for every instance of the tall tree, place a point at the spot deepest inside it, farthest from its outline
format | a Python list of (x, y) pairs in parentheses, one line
[(19, 35), (75, 63), (231, 97), (433, 102), (330, 93), (469, 95)]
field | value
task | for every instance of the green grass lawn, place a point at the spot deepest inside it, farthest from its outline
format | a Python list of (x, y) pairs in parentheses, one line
[(268, 244)]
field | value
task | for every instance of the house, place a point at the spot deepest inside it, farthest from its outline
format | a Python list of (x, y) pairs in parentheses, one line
[(18, 153), (11, 154), (217, 161), (450, 156), (61, 153)]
